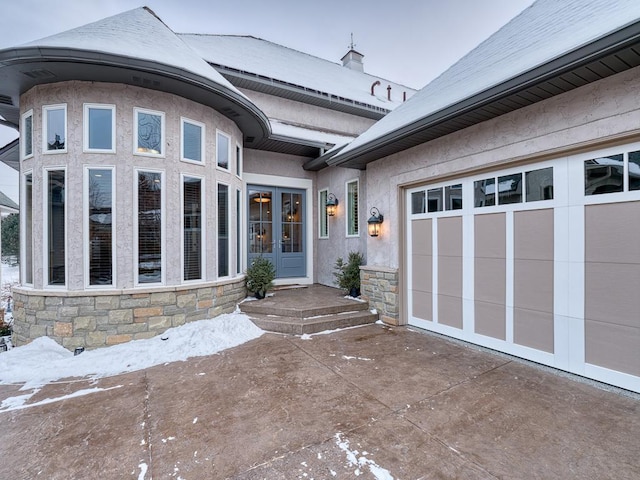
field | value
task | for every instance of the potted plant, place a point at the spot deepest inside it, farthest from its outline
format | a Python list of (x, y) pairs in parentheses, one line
[(260, 275), (348, 273)]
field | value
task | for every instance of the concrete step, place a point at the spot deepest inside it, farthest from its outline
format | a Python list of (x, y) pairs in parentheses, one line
[(301, 308), (312, 324)]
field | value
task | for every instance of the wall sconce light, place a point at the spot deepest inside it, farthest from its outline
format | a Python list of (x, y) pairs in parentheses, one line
[(332, 204), (374, 222)]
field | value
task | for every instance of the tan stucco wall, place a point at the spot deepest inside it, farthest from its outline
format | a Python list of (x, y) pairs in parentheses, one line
[(304, 114), (75, 94), (606, 110)]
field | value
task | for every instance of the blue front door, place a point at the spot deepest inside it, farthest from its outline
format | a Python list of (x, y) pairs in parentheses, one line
[(277, 228)]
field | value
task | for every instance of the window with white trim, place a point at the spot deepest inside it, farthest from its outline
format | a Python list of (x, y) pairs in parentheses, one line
[(223, 230), (323, 218), (148, 132), (528, 186), (54, 127), (223, 150), (238, 230), (26, 212), (56, 241), (26, 134), (99, 128), (149, 226), (192, 138), (99, 208), (238, 161), (352, 209), (612, 174), (192, 228)]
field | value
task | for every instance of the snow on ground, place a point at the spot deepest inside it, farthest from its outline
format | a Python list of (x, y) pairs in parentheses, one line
[(44, 361)]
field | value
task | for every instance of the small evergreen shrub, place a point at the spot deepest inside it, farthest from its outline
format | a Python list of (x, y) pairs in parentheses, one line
[(348, 273), (260, 275)]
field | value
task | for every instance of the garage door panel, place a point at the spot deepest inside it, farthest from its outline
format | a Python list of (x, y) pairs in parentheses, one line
[(533, 329), (613, 346), (450, 276), (450, 311), (422, 305), (490, 280), (421, 237), (450, 236), (421, 273), (533, 234), (490, 320), (490, 235), (611, 293), (612, 233), (533, 285)]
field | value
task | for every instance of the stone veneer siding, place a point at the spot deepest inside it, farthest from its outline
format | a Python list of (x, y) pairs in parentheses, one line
[(102, 319), (379, 286)]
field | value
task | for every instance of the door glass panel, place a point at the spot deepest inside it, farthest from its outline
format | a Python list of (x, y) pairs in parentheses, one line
[(260, 221), (296, 238), (260, 237), (291, 210)]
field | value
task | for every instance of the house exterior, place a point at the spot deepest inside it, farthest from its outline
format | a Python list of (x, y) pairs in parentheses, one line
[(509, 185)]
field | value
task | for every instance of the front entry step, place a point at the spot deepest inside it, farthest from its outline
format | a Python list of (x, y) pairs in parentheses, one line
[(308, 310)]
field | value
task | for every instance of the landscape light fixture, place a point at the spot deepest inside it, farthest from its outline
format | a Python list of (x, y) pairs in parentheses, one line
[(374, 222), (332, 204)]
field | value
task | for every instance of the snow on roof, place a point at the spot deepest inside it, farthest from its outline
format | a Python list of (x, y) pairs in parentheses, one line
[(6, 204), (257, 56), (542, 32), (294, 132), (139, 34)]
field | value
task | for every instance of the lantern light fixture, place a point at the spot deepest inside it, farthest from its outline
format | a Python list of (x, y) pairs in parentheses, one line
[(374, 222), (332, 204)]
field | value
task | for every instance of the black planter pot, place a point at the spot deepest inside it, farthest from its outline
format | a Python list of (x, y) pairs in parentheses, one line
[(354, 292), (259, 295)]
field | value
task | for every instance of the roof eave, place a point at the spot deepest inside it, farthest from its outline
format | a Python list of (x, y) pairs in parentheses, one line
[(383, 146)]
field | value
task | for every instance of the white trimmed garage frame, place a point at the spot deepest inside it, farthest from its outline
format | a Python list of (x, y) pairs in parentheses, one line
[(568, 207)]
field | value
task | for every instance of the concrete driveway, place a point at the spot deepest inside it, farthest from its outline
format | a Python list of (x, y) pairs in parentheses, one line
[(371, 402)]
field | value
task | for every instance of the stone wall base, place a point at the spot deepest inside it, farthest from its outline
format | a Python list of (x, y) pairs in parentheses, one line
[(379, 286), (93, 320)]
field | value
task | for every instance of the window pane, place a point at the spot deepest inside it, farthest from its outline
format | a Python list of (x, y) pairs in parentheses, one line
[(260, 217), (28, 135), (28, 228), (540, 184), (484, 192), (418, 202), (56, 129), (291, 240), (322, 215), (603, 175), (100, 128), (192, 141), (149, 133), (222, 151), (510, 189), (223, 230), (149, 227), (192, 211), (100, 227), (634, 171), (238, 161), (352, 208), (56, 228), (453, 197), (434, 200)]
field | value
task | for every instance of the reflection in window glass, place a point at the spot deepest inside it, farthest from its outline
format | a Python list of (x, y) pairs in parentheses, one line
[(27, 135), (149, 227), (453, 197), (191, 141), (56, 128), (604, 175), (149, 133), (539, 184), (222, 151), (192, 223), (322, 215), (484, 192), (418, 202), (56, 232), (352, 208), (510, 189), (260, 222), (26, 211), (634, 171), (100, 227), (223, 230), (434, 200)]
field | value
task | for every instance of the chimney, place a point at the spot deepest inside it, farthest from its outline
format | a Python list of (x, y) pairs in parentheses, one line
[(353, 59)]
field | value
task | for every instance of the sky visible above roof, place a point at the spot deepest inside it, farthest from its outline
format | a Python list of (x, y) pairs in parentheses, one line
[(544, 31)]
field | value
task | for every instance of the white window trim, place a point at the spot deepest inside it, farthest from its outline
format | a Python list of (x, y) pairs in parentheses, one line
[(229, 236), (163, 228), (203, 230), (322, 210), (239, 160), (23, 228), (85, 227), (228, 137), (203, 130), (45, 225), (23, 119), (45, 109), (240, 240), (85, 127), (346, 196), (162, 154)]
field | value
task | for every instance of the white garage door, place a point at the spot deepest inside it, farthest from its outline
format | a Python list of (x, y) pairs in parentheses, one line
[(539, 261)]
